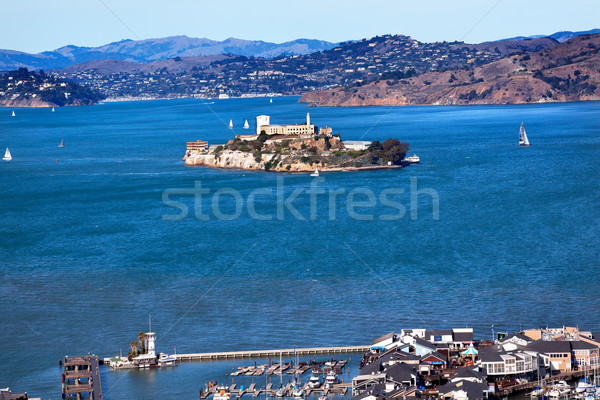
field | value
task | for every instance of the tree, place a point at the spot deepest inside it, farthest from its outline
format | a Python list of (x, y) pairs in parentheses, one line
[(374, 146), (141, 339)]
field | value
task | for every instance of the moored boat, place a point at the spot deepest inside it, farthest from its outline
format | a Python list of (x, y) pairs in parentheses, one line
[(314, 381), (331, 379), (165, 360), (222, 393)]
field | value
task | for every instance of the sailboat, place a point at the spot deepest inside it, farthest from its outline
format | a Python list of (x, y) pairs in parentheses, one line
[(62, 143), (7, 156), (271, 101), (230, 124), (523, 141), (246, 125), (316, 173), (52, 109), (13, 113)]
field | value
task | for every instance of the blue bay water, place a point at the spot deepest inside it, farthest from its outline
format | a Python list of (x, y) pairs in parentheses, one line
[(86, 255)]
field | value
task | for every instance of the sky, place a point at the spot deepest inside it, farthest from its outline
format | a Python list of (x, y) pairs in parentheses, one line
[(39, 25)]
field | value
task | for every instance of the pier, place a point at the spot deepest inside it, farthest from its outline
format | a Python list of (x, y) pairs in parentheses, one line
[(271, 353), (81, 378)]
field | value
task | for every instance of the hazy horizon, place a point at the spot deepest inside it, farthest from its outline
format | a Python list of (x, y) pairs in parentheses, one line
[(97, 23)]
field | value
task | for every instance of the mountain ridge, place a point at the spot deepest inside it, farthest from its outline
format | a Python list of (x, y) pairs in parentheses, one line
[(148, 50)]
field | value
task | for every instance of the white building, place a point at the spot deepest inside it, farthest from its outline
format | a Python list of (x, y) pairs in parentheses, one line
[(263, 125), (262, 120), (357, 144)]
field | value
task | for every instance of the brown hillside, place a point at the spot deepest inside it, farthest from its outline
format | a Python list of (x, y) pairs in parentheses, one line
[(565, 72)]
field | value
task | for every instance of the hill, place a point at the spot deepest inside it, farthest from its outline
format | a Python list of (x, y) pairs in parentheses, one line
[(564, 72), (144, 51), (23, 88), (560, 37), (346, 64)]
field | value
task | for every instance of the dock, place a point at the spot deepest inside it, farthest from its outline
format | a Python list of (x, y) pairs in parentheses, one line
[(81, 378), (271, 353)]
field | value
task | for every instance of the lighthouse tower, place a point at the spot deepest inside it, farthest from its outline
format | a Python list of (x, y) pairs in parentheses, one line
[(308, 122), (150, 338)]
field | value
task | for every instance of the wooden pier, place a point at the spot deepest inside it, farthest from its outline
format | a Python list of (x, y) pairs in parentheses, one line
[(81, 378), (271, 353)]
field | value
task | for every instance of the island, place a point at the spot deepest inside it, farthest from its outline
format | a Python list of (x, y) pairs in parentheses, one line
[(24, 88), (296, 148)]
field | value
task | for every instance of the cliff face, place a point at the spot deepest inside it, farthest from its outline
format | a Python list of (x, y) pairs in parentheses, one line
[(35, 102), (565, 72), (245, 160)]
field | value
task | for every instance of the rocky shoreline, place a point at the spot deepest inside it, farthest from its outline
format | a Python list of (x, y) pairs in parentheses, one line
[(245, 161)]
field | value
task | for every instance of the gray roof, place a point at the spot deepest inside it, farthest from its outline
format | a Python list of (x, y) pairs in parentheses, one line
[(382, 338), (462, 336), (400, 372), (581, 345), (547, 346), (474, 390), (424, 343), (438, 332), (469, 372)]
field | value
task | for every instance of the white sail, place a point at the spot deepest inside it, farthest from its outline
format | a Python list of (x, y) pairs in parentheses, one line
[(7, 156), (62, 143), (523, 141), (231, 123), (52, 109), (246, 125), (270, 100), (13, 114)]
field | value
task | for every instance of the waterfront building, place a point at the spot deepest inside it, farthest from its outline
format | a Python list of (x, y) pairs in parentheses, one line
[(198, 145), (585, 354), (508, 363)]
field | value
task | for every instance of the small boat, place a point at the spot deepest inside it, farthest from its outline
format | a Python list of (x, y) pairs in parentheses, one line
[(13, 113), (523, 141), (222, 393), (316, 173), (165, 360), (331, 379), (322, 398), (246, 125), (52, 109), (584, 385), (559, 390), (271, 101), (298, 393), (279, 393), (414, 159), (314, 381), (230, 124), (62, 142), (7, 156)]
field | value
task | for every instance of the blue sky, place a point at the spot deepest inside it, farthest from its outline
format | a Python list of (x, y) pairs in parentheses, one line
[(36, 25)]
